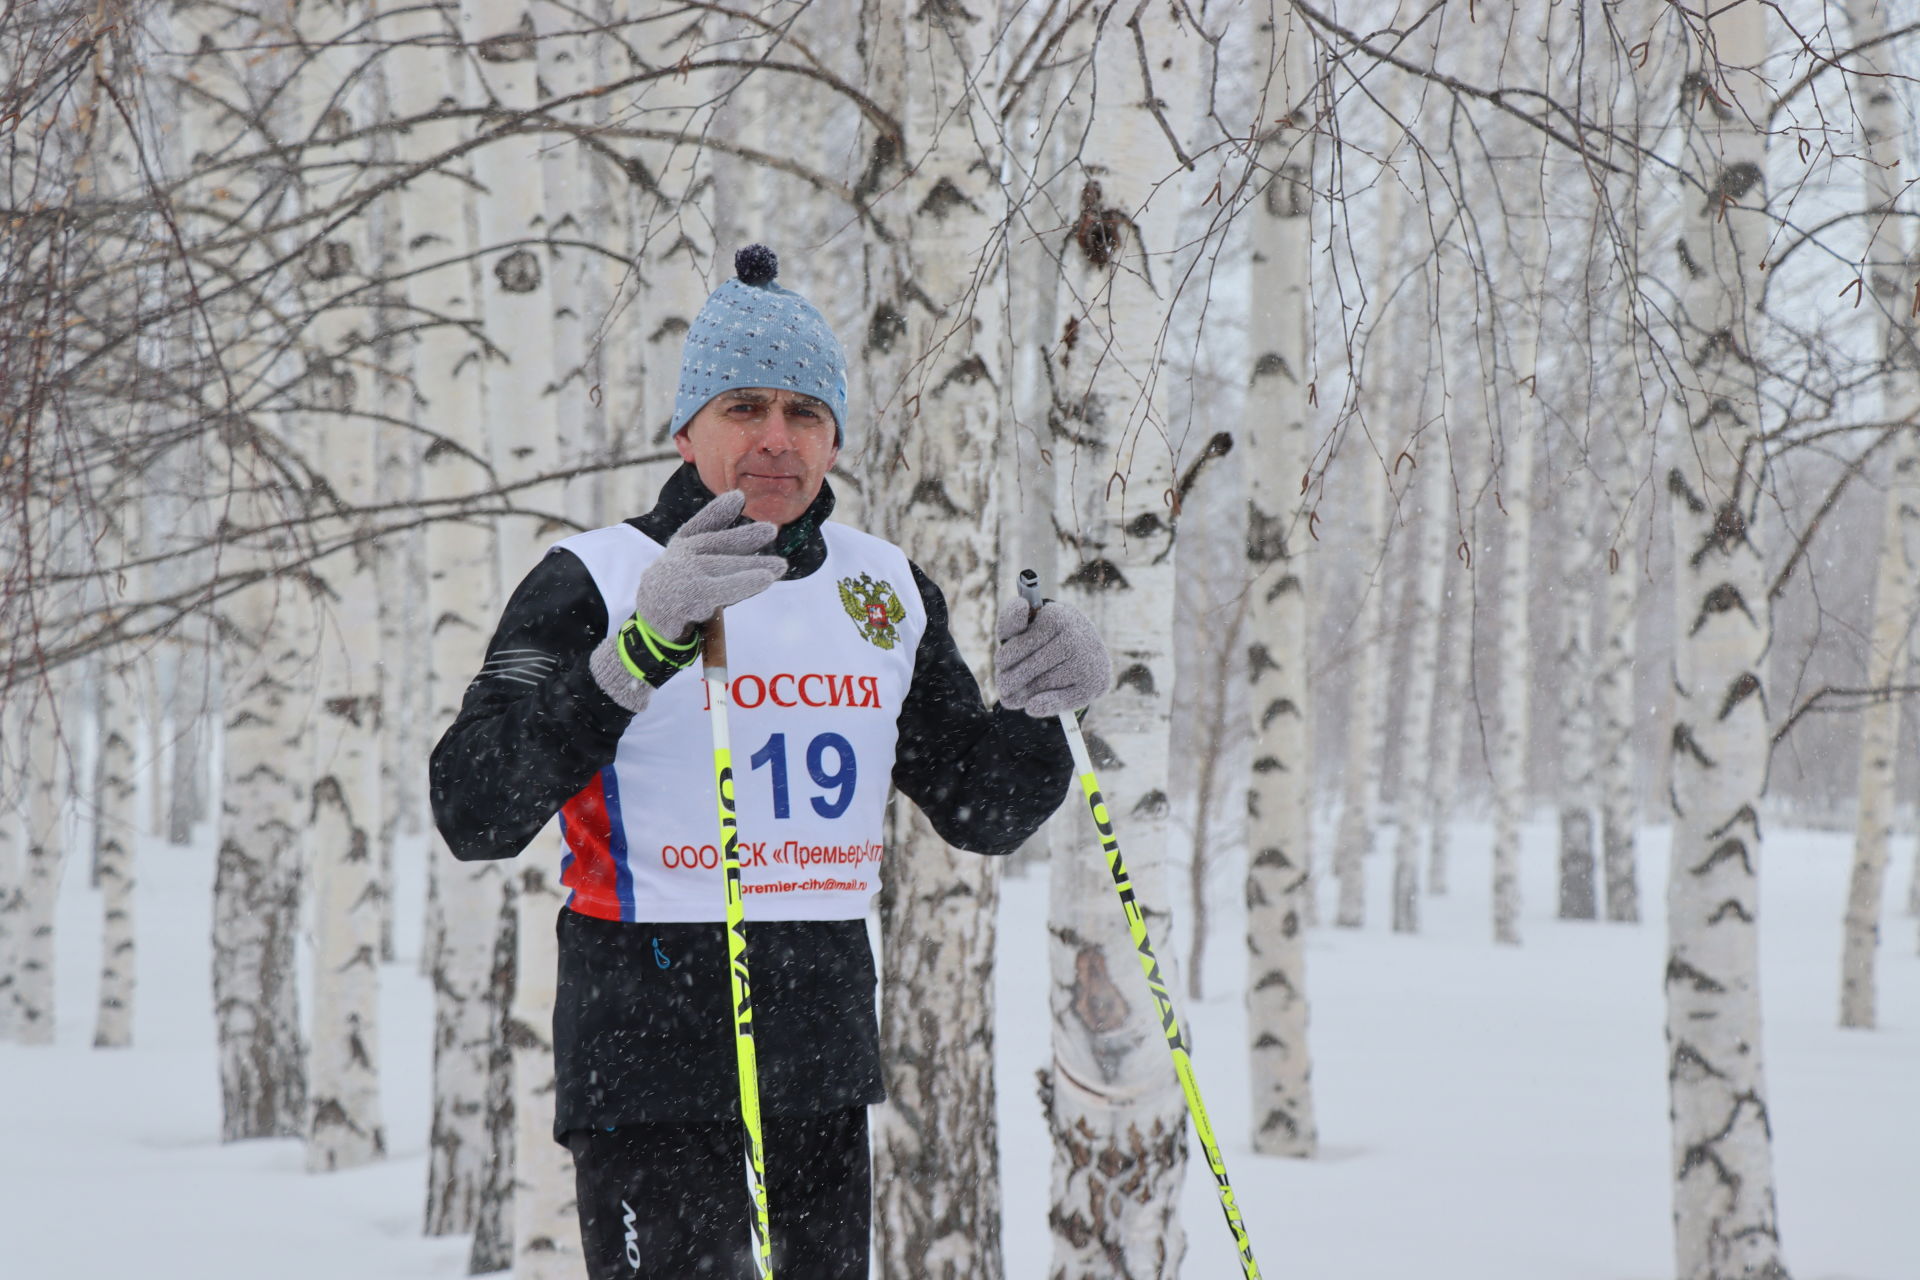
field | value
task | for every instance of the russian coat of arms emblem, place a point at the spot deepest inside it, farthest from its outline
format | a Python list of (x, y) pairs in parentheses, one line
[(874, 607)]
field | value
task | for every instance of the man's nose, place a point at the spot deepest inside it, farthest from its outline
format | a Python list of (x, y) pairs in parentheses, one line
[(778, 433)]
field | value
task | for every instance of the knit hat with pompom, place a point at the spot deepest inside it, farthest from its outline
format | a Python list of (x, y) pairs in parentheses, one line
[(753, 333)]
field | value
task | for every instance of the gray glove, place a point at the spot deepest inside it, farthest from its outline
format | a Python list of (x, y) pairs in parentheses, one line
[(1050, 660), (707, 566)]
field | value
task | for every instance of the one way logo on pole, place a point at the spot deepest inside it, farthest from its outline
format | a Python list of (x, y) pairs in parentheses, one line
[(874, 607)]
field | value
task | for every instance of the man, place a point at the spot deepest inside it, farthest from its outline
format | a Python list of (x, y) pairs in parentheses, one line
[(844, 676)]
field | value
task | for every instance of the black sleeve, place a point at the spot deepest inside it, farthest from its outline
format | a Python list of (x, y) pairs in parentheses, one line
[(985, 778), (535, 725)]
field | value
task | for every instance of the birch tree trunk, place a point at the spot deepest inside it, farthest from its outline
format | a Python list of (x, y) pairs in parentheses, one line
[(1428, 557), (1614, 696), (12, 789), (492, 1214), (269, 635), (1454, 679), (546, 1224), (1578, 896), (257, 882), (1360, 775), (517, 382), (1279, 791), (344, 1128), (402, 661), (1117, 1115), (39, 887), (440, 222), (1724, 1215), (517, 298), (1896, 595), (116, 825), (187, 769), (1515, 483), (1360, 807), (934, 467)]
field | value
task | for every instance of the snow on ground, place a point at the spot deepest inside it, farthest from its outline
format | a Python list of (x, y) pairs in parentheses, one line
[(1485, 1114)]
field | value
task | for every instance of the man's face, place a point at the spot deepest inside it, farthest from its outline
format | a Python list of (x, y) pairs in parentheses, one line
[(774, 446)]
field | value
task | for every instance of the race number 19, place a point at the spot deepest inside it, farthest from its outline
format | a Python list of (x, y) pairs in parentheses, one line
[(837, 783)]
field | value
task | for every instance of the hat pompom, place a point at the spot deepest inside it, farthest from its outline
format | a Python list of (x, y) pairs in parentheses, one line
[(756, 265)]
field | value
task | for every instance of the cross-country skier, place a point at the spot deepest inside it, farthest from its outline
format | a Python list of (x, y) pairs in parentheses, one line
[(845, 681)]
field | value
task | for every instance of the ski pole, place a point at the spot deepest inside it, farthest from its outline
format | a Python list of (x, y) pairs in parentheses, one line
[(713, 664), (1150, 963)]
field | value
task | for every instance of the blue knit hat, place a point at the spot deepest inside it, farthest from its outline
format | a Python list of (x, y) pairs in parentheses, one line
[(753, 333)]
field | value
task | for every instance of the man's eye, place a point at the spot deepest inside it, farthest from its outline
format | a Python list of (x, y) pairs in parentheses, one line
[(804, 411)]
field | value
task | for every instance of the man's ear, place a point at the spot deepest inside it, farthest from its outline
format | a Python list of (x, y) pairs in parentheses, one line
[(683, 444)]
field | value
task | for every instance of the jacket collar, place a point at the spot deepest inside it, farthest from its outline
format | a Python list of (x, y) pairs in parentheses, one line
[(801, 541)]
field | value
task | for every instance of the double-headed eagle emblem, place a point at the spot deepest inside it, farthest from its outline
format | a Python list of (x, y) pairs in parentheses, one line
[(874, 607)]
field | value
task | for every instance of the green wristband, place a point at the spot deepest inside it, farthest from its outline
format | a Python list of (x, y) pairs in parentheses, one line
[(650, 656)]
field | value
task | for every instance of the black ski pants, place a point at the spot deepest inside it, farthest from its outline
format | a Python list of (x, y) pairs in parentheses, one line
[(669, 1201)]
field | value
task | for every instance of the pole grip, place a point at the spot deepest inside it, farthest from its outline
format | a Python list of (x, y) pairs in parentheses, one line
[(1030, 591), (713, 642)]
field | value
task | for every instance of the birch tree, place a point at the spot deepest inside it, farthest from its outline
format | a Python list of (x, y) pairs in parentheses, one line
[(344, 1127), (39, 885), (1896, 595), (1116, 1112), (527, 444), (1579, 899), (462, 587), (1427, 561), (1453, 677), (115, 829), (10, 869), (1614, 694), (1515, 482), (1724, 1216), (546, 1225), (118, 698), (935, 462), (1279, 793), (268, 628)]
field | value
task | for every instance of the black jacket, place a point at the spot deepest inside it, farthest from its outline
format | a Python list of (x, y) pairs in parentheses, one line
[(642, 1029)]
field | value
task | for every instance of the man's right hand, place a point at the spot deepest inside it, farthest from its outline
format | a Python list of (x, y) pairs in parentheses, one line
[(708, 565)]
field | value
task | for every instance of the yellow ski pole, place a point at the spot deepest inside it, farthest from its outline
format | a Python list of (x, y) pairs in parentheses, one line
[(1150, 965), (713, 662)]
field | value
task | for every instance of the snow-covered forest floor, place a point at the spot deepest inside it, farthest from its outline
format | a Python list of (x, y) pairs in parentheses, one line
[(1485, 1114)]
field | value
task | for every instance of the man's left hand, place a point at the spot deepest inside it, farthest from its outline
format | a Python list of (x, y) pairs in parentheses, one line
[(1050, 659)]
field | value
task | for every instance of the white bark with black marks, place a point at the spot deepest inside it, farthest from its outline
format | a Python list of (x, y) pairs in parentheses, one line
[(116, 826), (1454, 676), (1625, 462), (937, 379), (11, 863), (344, 1127), (492, 1212), (1725, 1222), (462, 590), (1427, 494), (528, 434), (1360, 775), (48, 758), (546, 1225), (1513, 486), (257, 881), (1896, 595), (1117, 1115), (1280, 784), (1579, 891)]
